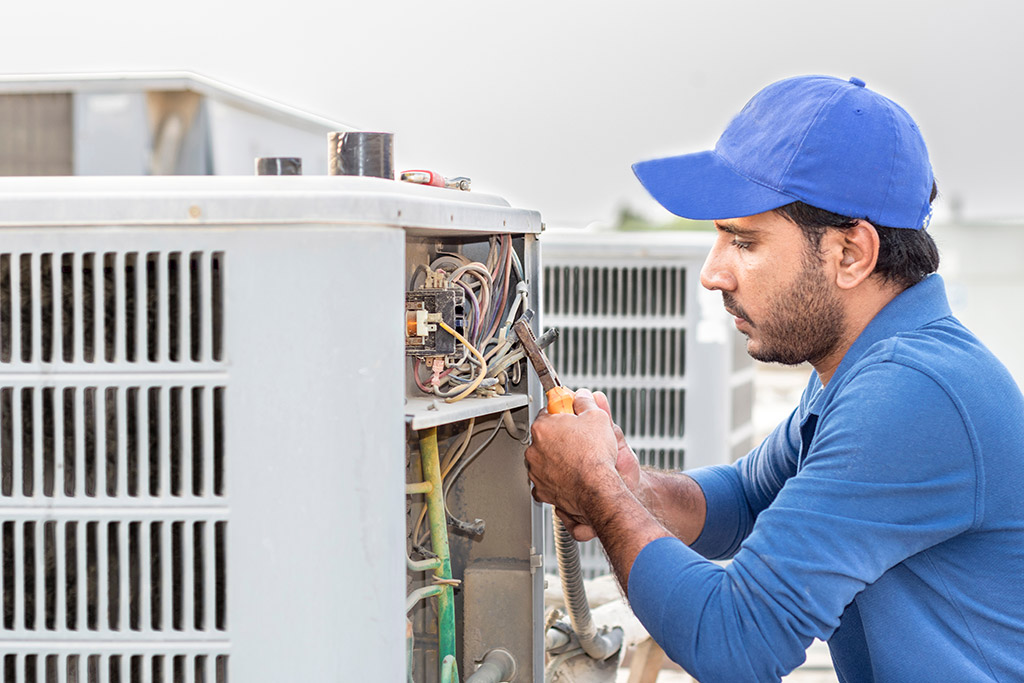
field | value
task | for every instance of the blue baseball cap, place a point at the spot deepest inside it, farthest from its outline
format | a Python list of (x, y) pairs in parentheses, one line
[(820, 140)]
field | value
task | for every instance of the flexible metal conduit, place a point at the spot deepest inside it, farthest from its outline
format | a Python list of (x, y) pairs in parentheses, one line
[(597, 645)]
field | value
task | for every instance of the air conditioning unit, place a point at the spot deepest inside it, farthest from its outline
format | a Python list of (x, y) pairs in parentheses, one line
[(210, 433), (635, 322)]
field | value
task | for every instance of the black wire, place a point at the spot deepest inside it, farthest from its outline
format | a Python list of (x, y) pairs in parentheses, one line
[(412, 280)]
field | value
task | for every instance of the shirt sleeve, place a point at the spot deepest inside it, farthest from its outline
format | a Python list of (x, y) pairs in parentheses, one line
[(891, 472), (736, 494)]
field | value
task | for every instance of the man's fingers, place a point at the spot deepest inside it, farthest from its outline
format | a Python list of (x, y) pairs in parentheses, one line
[(583, 402), (540, 497), (567, 519), (602, 402), (576, 526)]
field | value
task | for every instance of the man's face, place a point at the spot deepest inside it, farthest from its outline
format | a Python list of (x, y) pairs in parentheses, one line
[(779, 293)]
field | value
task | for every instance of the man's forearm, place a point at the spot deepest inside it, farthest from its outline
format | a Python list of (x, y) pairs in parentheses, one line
[(623, 524), (675, 500)]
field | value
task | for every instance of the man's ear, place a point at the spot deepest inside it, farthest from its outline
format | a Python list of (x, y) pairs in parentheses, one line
[(858, 250)]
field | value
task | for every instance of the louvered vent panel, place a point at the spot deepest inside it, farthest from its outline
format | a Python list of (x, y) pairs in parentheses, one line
[(617, 291), (620, 352), (111, 307), (113, 475), (37, 135), (622, 329), (123, 666), (661, 458), (646, 412), (129, 443), (93, 575)]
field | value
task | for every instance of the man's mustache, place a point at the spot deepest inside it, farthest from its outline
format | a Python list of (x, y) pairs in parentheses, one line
[(735, 309)]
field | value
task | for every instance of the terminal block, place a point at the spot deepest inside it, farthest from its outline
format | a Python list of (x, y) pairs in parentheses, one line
[(424, 308)]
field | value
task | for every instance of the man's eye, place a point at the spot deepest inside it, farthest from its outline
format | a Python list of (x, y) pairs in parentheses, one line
[(740, 245)]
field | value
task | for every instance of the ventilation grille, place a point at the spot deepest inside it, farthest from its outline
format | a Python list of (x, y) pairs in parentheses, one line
[(123, 442), (111, 307), (646, 352), (36, 138), (661, 458), (657, 291), (113, 474), (646, 412), (98, 575), (623, 329), (115, 668)]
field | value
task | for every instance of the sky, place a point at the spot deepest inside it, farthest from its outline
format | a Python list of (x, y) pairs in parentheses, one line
[(548, 102)]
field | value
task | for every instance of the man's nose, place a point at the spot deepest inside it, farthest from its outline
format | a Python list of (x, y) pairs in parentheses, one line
[(715, 274)]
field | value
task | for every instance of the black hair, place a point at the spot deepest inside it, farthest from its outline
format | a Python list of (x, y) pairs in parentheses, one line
[(905, 256)]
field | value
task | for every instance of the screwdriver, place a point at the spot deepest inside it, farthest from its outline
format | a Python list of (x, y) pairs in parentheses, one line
[(424, 177), (560, 398)]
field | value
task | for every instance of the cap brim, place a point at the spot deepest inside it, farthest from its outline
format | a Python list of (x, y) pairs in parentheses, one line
[(701, 186)]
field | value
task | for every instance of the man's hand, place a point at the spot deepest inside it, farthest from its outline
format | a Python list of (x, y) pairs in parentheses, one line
[(581, 464), (572, 460), (673, 498), (626, 464)]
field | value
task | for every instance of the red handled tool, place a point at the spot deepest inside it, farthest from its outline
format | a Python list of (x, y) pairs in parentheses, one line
[(424, 177)]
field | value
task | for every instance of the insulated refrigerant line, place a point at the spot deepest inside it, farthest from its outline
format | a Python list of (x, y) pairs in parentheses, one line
[(439, 544)]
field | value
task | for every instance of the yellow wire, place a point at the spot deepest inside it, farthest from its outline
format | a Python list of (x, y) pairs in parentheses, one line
[(449, 463), (483, 364), (419, 523)]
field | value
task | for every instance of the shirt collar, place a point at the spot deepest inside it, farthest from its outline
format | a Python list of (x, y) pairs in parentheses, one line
[(912, 308)]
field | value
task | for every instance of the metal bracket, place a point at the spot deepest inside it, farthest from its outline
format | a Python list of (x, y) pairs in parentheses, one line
[(536, 560)]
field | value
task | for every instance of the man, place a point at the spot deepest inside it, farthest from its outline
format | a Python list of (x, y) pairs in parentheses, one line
[(886, 514)]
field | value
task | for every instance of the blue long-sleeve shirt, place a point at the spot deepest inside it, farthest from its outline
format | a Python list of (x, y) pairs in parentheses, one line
[(885, 515)]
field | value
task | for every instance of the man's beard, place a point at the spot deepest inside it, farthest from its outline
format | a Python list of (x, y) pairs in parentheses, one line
[(804, 323)]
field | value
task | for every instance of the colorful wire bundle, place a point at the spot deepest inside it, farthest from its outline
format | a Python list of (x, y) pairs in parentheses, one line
[(488, 287)]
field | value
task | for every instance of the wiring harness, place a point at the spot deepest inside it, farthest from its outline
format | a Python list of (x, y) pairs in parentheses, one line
[(487, 364)]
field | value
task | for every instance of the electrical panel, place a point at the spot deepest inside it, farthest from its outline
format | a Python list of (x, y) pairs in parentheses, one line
[(469, 407), (214, 436)]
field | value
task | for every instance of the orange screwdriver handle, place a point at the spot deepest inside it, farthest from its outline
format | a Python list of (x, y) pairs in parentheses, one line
[(560, 400)]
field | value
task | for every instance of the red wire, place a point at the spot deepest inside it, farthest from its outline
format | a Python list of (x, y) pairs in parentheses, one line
[(416, 376)]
